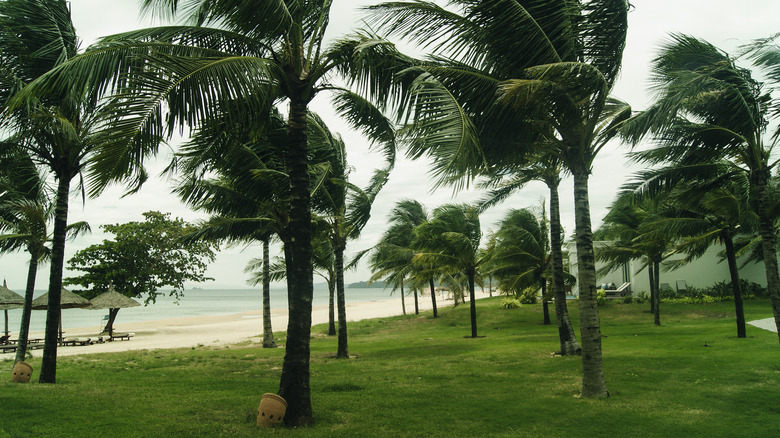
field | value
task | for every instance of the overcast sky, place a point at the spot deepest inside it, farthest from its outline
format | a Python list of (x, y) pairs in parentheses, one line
[(725, 23)]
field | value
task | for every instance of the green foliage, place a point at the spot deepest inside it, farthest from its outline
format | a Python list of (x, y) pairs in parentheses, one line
[(601, 297), (143, 258), (720, 291), (510, 303), (528, 295)]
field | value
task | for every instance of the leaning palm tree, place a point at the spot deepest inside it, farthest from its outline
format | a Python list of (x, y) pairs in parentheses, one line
[(708, 108), (69, 134), (552, 66), (450, 240)]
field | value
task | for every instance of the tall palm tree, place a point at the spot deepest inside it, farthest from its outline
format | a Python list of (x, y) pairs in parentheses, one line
[(451, 240), (255, 53), (552, 64), (62, 130), (708, 108), (521, 259), (547, 169), (26, 213)]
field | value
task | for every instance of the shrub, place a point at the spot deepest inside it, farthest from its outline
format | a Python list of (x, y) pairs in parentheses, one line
[(601, 297), (528, 296), (510, 303)]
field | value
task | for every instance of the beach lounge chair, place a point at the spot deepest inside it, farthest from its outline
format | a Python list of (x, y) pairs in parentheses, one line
[(8, 348), (76, 341), (122, 336)]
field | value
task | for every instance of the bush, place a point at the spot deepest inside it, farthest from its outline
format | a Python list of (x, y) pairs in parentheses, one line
[(528, 296), (510, 303), (601, 297)]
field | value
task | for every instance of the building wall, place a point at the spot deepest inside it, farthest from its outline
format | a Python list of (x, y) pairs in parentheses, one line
[(703, 272)]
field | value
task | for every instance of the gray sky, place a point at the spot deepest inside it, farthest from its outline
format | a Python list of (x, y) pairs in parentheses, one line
[(725, 23)]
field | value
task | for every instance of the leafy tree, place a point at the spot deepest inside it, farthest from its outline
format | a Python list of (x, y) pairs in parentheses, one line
[(142, 258), (450, 240), (708, 109), (552, 66)]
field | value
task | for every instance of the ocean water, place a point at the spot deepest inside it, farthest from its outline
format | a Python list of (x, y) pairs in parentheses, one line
[(195, 302)]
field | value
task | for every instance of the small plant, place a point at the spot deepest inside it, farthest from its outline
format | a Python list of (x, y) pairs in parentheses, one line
[(510, 303), (601, 297), (527, 296), (628, 299)]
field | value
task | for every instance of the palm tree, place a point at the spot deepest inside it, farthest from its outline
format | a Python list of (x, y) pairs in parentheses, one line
[(709, 109), (26, 212), (254, 53), (393, 257), (521, 259), (631, 226), (547, 169), (552, 65), (451, 240), (60, 129)]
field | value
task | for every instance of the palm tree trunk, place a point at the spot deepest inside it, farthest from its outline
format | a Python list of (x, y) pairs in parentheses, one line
[(433, 298), (403, 301), (416, 304), (49, 362), (657, 287), (651, 279), (332, 307), (593, 382), (568, 340), (294, 385), (342, 352), (24, 328), (268, 331), (472, 305), (735, 286), (768, 244), (545, 307)]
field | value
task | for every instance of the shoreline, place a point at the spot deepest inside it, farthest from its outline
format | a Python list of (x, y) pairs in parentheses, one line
[(221, 330)]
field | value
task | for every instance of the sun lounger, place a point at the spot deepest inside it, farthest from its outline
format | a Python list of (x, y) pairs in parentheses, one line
[(76, 341), (8, 348), (122, 336)]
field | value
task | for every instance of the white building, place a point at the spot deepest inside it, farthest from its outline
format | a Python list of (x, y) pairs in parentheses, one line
[(703, 272)]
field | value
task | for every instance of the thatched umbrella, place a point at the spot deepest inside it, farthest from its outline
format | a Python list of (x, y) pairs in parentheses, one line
[(68, 300), (9, 300), (113, 301)]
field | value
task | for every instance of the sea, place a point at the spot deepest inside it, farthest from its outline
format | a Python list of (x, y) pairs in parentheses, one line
[(194, 302)]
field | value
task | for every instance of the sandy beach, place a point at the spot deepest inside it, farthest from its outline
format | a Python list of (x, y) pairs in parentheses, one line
[(224, 330)]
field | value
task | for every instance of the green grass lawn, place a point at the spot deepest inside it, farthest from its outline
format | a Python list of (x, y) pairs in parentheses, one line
[(418, 376)]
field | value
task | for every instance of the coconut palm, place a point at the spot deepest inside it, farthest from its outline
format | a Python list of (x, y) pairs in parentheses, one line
[(393, 257), (552, 66), (708, 108), (62, 130), (631, 227), (711, 206), (547, 169), (450, 240), (256, 53), (26, 213)]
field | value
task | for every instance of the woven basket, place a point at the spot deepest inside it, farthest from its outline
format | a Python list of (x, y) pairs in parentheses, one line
[(22, 372), (271, 410)]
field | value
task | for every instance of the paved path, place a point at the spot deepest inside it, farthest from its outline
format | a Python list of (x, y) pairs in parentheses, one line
[(766, 324)]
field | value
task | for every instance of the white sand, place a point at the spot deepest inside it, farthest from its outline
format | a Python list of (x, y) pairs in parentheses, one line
[(224, 330)]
